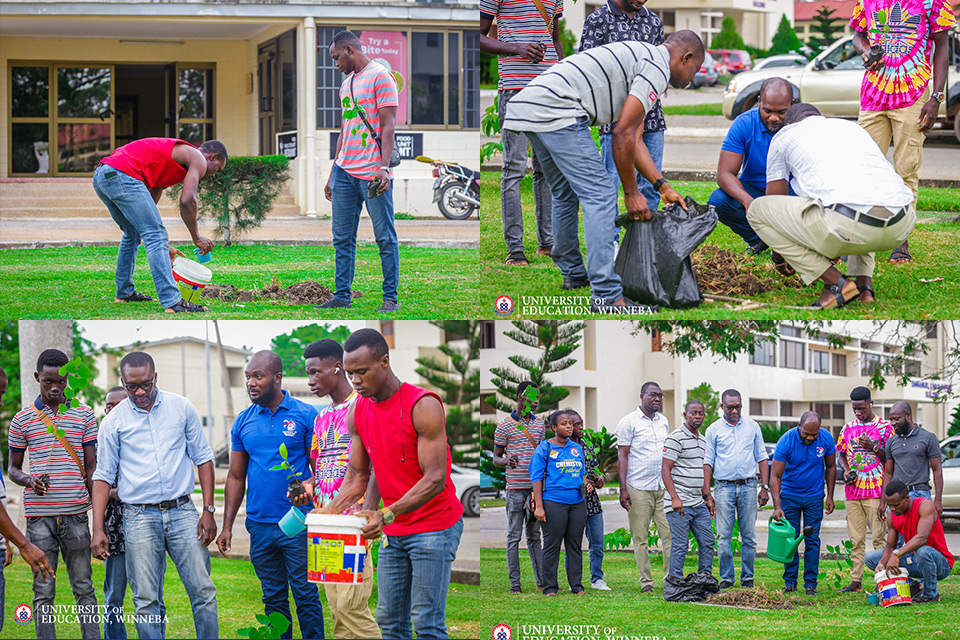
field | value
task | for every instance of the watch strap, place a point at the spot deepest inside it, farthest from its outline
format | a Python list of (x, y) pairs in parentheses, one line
[(659, 183)]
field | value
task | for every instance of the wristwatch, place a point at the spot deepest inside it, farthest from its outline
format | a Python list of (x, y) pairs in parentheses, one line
[(659, 183), (765, 486), (938, 96), (211, 509), (897, 552), (388, 516)]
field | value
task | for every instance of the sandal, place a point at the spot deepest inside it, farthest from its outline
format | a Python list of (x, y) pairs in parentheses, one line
[(781, 265), (135, 297), (184, 306), (841, 295), (516, 261), (900, 254), (868, 289)]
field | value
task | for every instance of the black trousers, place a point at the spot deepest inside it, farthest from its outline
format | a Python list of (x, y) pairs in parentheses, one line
[(565, 523)]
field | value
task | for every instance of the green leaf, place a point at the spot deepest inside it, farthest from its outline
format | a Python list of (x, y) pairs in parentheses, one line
[(346, 102), (283, 450), (276, 467), (51, 428), (279, 624), (262, 619), (245, 632), (61, 433)]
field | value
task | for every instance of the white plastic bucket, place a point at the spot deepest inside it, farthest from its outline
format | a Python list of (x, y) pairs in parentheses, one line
[(336, 548), (893, 590), (191, 278)]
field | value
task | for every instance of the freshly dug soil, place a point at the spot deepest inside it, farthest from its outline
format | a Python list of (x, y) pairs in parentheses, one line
[(725, 273), (308, 292), (757, 598)]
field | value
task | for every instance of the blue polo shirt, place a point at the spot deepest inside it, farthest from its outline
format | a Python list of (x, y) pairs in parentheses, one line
[(803, 473), (748, 137), (560, 469), (260, 432)]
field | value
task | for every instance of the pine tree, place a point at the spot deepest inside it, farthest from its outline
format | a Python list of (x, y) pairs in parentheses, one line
[(459, 383), (954, 428), (825, 29), (785, 39), (728, 38)]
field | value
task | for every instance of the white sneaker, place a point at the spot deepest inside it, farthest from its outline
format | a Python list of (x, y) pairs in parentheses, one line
[(600, 585)]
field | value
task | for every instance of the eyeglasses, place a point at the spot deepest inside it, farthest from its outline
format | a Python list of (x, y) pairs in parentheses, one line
[(655, 395), (733, 407), (132, 388)]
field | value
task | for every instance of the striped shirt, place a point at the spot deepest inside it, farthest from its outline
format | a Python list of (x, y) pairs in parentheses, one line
[(645, 438), (509, 436), (686, 450), (68, 494), (519, 21), (593, 83), (373, 88)]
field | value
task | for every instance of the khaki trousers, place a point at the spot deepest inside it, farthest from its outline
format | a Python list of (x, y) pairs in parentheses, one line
[(647, 505), (350, 606), (859, 513), (901, 126), (808, 235)]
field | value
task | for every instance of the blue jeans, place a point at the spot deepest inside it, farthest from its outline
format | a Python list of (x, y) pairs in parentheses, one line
[(414, 575), (811, 510), (132, 207), (926, 564), (698, 520), (280, 560), (349, 196), (731, 213), (114, 588), (736, 502), (149, 534), (577, 176), (654, 143)]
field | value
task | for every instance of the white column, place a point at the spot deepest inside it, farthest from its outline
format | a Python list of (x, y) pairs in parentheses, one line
[(309, 128)]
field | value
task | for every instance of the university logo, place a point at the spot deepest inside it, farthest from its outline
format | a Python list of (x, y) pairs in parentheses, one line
[(819, 452), (502, 632), (23, 614), (575, 452), (503, 305), (289, 428)]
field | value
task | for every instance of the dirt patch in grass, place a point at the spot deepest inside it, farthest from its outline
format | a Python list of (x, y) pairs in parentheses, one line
[(308, 292), (725, 273), (756, 598)]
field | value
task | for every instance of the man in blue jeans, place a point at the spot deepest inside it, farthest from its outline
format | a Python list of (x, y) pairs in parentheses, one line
[(274, 419), (805, 459), (733, 455), (130, 182), (153, 440), (361, 173), (594, 526)]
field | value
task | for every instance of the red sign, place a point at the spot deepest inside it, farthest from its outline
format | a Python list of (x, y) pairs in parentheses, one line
[(389, 48)]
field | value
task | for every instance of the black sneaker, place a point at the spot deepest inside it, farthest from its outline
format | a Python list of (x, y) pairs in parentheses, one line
[(575, 283), (746, 584), (916, 588), (811, 591), (757, 249), (788, 588), (389, 306), (335, 303), (726, 584), (136, 296), (922, 599), (186, 307)]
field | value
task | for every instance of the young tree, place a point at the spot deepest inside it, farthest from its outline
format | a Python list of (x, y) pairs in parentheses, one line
[(728, 38), (785, 39), (954, 428), (459, 383), (290, 346), (825, 28)]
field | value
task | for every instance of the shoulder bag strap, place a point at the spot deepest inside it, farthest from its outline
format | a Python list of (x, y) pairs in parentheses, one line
[(363, 117), (524, 431), (63, 441), (546, 19)]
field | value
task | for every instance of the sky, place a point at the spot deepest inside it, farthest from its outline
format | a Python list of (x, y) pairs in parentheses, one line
[(253, 334)]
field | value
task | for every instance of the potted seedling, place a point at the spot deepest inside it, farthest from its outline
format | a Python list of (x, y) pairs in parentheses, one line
[(78, 377), (294, 487)]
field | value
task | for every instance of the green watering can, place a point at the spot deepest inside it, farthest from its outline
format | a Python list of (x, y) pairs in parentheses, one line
[(781, 544)]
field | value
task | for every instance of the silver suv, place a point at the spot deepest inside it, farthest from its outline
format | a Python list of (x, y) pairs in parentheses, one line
[(831, 82)]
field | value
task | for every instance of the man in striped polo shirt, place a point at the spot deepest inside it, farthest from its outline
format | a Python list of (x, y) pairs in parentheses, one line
[(688, 509), (363, 158), (514, 441), (525, 47), (617, 82), (56, 494)]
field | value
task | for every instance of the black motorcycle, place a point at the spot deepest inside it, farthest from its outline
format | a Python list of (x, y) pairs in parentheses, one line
[(456, 189)]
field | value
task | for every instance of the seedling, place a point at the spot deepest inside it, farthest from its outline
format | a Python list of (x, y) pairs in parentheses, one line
[(78, 378), (275, 625), (295, 487), (353, 112)]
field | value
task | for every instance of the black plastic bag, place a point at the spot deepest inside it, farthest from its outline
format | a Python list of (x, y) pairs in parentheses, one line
[(654, 258), (695, 587)]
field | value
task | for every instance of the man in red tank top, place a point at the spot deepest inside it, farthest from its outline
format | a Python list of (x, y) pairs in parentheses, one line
[(399, 429), (130, 182), (924, 553)]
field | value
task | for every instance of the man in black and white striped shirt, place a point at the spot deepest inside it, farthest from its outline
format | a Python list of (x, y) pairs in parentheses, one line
[(617, 82)]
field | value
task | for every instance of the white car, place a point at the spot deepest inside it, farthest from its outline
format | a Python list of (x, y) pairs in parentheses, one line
[(950, 462), (782, 60), (467, 483)]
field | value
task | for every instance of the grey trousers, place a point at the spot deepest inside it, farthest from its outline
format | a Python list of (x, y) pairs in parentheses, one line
[(521, 520), (514, 168)]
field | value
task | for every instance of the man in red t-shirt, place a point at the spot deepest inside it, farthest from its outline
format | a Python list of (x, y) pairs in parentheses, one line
[(924, 553), (399, 430), (130, 182)]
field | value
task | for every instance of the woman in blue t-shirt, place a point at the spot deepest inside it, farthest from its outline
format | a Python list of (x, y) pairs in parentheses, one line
[(557, 472)]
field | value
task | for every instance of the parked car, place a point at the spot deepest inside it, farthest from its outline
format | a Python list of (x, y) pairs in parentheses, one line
[(950, 461), (770, 447), (707, 76), (731, 60), (467, 483), (831, 82), (782, 60)]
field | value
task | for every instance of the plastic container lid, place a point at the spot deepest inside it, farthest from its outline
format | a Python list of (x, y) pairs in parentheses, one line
[(193, 271), (328, 520)]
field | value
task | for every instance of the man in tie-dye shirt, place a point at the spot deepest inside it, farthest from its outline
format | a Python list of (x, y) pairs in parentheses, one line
[(897, 99), (348, 603), (861, 445)]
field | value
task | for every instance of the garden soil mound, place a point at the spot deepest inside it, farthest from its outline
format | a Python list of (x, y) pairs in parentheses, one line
[(308, 292), (756, 598), (722, 272)]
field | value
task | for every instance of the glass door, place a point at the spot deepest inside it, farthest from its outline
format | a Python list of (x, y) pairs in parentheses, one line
[(84, 118)]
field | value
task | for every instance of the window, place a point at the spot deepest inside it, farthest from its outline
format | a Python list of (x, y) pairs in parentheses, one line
[(488, 335), (822, 409), (791, 332), (453, 336), (786, 408), (837, 411), (820, 361), (487, 409), (791, 354), (656, 342), (869, 363), (386, 328), (839, 363), (764, 354), (756, 407), (196, 105), (912, 367)]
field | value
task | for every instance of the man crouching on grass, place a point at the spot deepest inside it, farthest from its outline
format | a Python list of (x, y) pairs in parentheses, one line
[(130, 182)]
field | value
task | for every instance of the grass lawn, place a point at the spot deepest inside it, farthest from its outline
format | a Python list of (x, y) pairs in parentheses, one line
[(238, 601), (900, 293), (631, 614), (711, 109), (78, 282)]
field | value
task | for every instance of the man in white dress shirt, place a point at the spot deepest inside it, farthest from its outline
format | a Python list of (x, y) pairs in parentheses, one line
[(640, 437), (849, 201)]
